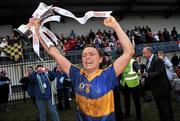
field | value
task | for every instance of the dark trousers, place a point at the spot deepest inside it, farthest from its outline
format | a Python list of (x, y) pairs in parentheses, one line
[(136, 98), (63, 95), (117, 104), (164, 106)]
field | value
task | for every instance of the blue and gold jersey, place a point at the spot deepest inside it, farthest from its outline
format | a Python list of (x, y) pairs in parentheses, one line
[(94, 95)]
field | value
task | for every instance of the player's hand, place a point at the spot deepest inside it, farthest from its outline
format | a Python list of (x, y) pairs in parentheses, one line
[(34, 22), (110, 22)]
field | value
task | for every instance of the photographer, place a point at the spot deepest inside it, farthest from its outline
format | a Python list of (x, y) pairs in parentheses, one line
[(41, 78), (107, 61)]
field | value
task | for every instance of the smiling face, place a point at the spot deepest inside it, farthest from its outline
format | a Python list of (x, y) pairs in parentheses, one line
[(91, 59)]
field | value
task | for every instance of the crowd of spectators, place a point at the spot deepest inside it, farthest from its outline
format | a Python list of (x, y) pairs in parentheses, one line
[(101, 38), (5, 41), (143, 35), (106, 39)]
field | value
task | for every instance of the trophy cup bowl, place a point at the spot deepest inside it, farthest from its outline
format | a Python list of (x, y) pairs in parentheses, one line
[(42, 12), (23, 31)]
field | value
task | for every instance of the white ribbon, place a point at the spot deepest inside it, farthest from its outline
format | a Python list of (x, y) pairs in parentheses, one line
[(35, 42), (83, 19), (43, 33), (40, 13)]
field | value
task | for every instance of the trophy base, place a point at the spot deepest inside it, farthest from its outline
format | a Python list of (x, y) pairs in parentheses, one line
[(20, 34)]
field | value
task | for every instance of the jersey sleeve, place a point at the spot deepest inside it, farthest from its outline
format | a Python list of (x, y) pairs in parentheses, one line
[(110, 77), (73, 73)]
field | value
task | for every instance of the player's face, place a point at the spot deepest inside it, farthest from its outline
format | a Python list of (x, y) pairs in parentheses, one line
[(91, 59)]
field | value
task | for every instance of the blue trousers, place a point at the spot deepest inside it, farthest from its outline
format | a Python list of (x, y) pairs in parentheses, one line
[(41, 104)]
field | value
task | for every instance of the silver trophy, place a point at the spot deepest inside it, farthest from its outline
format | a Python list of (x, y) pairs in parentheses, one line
[(42, 12)]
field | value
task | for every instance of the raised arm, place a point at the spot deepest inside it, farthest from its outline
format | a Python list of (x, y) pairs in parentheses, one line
[(52, 50), (128, 49)]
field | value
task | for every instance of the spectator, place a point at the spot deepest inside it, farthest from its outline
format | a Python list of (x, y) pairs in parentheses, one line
[(67, 46), (62, 38), (72, 41), (4, 91), (72, 34), (161, 37), (3, 44), (91, 35), (149, 37), (105, 34), (63, 84), (130, 83), (174, 34), (168, 65), (109, 34), (99, 33), (166, 35), (107, 61), (176, 83), (148, 29), (144, 86), (98, 42), (42, 78), (160, 86), (156, 37), (137, 37), (175, 60), (177, 71), (80, 45), (27, 86), (106, 45)]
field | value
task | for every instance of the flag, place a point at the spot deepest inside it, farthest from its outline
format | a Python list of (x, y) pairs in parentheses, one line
[(14, 51)]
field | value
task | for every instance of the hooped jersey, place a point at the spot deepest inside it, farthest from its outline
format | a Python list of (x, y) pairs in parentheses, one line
[(94, 95)]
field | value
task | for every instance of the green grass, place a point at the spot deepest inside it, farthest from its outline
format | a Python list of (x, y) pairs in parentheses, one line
[(22, 111)]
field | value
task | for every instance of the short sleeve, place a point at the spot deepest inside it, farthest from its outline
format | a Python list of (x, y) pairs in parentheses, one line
[(73, 73), (110, 75)]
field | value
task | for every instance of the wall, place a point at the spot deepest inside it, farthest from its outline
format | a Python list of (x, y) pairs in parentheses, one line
[(154, 22), (6, 30)]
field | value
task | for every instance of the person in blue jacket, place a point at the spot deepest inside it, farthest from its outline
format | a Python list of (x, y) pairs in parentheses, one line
[(62, 85), (41, 78)]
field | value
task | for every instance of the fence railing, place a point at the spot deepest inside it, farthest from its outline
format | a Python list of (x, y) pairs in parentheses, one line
[(15, 70)]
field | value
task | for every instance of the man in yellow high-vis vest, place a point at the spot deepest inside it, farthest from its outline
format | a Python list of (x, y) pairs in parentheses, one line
[(130, 84)]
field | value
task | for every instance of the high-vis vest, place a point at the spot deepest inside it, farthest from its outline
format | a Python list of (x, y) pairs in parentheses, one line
[(130, 77)]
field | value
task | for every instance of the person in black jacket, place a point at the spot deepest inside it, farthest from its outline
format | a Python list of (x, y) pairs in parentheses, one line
[(107, 61), (26, 85), (157, 79), (175, 60), (4, 91)]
